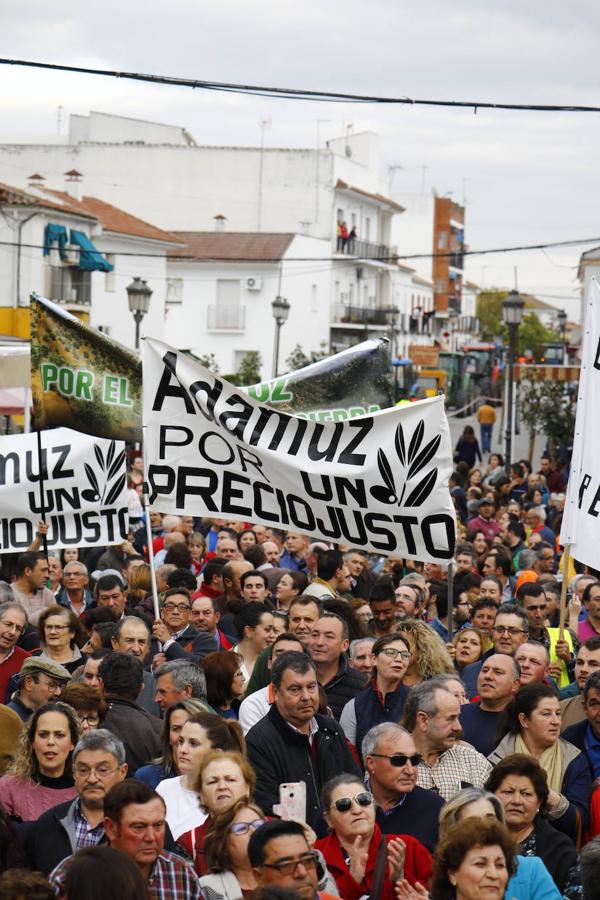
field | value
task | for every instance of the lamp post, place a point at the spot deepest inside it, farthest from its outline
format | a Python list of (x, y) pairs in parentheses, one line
[(281, 310), (512, 314), (138, 297), (561, 319)]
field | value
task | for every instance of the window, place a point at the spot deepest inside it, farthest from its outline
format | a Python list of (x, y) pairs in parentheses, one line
[(314, 298), (440, 286), (340, 215), (109, 277), (353, 220), (367, 229), (174, 290), (68, 284), (227, 314), (442, 240)]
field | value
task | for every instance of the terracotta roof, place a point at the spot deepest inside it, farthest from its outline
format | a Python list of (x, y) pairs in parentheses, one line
[(249, 245), (378, 198), (17, 197), (112, 218)]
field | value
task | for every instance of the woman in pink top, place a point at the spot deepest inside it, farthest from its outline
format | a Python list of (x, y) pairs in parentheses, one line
[(41, 775)]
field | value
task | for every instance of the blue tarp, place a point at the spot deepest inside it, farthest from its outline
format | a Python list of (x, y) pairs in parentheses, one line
[(55, 234), (90, 259)]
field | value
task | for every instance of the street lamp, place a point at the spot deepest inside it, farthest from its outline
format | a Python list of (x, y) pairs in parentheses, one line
[(138, 297), (561, 319), (281, 310), (391, 313), (512, 314)]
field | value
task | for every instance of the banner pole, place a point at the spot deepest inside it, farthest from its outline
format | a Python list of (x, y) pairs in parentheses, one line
[(450, 598), (563, 593), (146, 493), (42, 500)]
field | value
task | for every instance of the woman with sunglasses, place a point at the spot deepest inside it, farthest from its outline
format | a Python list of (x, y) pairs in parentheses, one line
[(361, 859), (230, 875), (383, 698)]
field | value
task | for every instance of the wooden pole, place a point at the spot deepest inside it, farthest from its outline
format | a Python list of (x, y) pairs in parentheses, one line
[(563, 594), (450, 598), (43, 473)]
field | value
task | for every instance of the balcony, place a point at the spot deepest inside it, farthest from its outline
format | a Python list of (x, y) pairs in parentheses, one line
[(226, 318), (367, 250), (454, 303), (456, 261), (360, 315)]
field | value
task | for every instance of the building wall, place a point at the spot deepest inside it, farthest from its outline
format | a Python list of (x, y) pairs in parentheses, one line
[(447, 238), (307, 289)]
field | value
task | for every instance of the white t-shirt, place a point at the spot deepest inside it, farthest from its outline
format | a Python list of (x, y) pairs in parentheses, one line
[(183, 808), (254, 708)]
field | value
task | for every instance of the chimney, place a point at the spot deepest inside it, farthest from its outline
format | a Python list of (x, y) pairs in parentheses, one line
[(219, 221), (73, 183), (35, 181)]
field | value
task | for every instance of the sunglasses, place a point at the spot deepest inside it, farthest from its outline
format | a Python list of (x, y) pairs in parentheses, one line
[(400, 759), (343, 804), (244, 827)]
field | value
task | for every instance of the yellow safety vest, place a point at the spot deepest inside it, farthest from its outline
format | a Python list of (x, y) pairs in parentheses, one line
[(553, 634)]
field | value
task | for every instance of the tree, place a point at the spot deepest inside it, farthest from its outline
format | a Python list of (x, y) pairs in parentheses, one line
[(546, 409), (249, 369), (209, 361), (297, 359), (532, 335)]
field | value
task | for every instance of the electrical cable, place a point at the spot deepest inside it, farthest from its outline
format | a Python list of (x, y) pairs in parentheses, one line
[(296, 93)]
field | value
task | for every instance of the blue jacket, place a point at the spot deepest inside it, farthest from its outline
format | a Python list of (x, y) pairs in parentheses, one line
[(369, 710), (531, 881)]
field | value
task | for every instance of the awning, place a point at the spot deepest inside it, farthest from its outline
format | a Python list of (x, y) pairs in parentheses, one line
[(90, 259), (12, 402), (15, 366), (55, 234)]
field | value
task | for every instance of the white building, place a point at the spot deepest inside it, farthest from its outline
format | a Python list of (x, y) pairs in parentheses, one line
[(162, 175), (221, 286)]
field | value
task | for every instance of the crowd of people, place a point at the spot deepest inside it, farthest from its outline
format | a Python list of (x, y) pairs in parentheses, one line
[(305, 720)]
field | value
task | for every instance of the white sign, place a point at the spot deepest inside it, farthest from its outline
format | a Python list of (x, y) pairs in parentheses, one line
[(84, 485), (581, 519), (379, 482)]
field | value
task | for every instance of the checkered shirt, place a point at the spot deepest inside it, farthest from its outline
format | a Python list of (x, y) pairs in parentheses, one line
[(456, 768), (171, 878), (84, 835)]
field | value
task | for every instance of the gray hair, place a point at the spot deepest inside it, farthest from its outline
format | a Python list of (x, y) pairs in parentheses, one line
[(75, 562), (538, 511), (101, 739), (450, 812), (414, 579), (170, 523), (354, 644), (527, 559), (590, 866), (11, 603), (6, 593), (422, 698), (184, 672), (136, 619), (374, 735)]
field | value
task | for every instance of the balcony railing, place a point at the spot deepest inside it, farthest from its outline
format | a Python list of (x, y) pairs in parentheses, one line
[(226, 318), (366, 250), (360, 315), (456, 260)]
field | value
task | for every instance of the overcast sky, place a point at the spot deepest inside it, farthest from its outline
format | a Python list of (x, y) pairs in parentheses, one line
[(527, 177)]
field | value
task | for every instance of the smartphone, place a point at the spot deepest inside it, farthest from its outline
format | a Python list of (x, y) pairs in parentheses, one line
[(292, 801)]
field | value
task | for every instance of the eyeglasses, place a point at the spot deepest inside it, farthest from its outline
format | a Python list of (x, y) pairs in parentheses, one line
[(51, 685), (504, 629), (343, 804), (288, 866), (244, 827), (394, 654), (171, 607), (100, 771), (400, 759), (92, 719), (56, 627)]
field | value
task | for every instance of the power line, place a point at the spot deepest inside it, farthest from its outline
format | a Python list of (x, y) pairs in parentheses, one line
[(347, 260), (295, 93)]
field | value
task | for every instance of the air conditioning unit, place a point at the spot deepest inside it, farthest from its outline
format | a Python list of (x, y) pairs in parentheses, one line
[(253, 284)]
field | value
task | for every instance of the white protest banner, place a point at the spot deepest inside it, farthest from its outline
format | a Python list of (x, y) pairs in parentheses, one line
[(379, 482), (85, 490), (581, 519)]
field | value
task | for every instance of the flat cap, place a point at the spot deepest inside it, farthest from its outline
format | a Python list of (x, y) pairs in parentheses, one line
[(35, 664)]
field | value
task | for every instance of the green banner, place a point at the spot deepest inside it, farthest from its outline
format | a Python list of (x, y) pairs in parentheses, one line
[(84, 380)]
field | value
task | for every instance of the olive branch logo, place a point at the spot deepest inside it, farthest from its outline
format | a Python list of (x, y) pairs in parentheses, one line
[(414, 461), (110, 467)]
